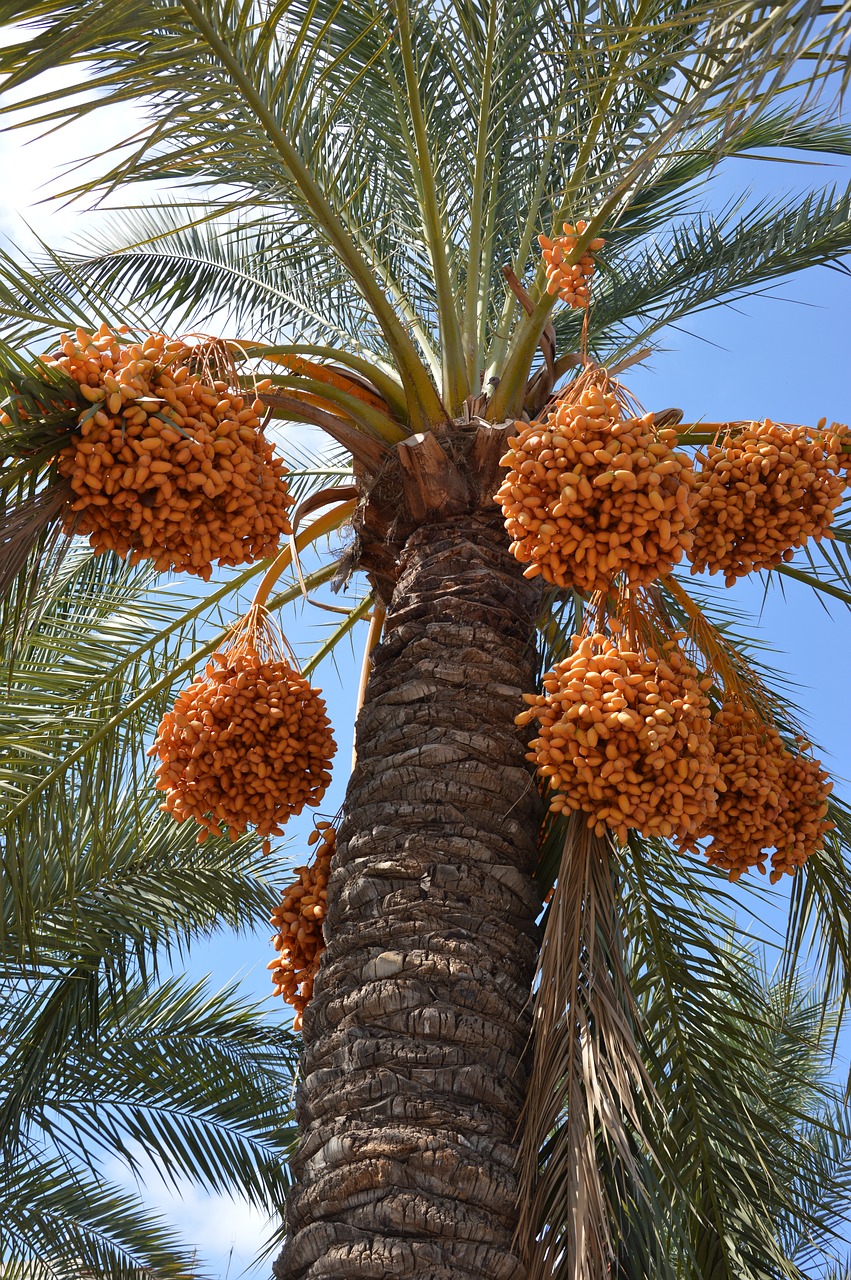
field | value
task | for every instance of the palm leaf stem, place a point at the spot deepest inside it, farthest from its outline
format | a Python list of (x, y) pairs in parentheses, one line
[(499, 347), (189, 664), (343, 629), (324, 524), (486, 270), (817, 584), (364, 415), (455, 381), (478, 217), (386, 385), (376, 626), (688, 435), (425, 406), (333, 376), (363, 448)]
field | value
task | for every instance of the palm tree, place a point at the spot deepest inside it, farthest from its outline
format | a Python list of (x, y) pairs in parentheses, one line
[(358, 189)]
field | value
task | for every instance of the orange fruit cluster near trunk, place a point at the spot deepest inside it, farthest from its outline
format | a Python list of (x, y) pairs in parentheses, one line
[(625, 737), (298, 925), (589, 495), (247, 744)]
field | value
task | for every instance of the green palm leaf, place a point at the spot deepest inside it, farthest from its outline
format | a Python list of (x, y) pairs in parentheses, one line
[(156, 1074), (224, 62), (192, 1080), (709, 260), (58, 1228), (740, 1076)]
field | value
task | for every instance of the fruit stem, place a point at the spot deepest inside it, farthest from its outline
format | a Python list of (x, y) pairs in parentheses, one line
[(324, 524), (704, 636)]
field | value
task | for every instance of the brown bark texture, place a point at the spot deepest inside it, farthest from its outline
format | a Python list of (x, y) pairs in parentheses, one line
[(416, 1040)]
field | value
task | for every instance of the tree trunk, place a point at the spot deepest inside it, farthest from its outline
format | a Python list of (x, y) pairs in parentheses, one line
[(413, 1069)]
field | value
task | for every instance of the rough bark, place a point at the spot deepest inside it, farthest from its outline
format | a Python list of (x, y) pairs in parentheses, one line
[(413, 1074)]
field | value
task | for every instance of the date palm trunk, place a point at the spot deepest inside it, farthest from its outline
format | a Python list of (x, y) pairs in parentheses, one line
[(415, 1042)]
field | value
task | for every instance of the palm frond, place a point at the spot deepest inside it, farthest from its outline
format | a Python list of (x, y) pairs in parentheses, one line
[(724, 65), (813, 1238), (710, 260), (819, 921), (313, 93), (175, 1075), (53, 1227), (739, 1067), (683, 179), (156, 1073), (161, 893), (825, 566), (266, 276), (200, 63)]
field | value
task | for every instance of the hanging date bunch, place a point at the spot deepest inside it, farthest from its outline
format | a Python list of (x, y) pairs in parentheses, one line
[(772, 799), (803, 819), (248, 743), (593, 492), (165, 461), (572, 282), (298, 925), (763, 491), (625, 737)]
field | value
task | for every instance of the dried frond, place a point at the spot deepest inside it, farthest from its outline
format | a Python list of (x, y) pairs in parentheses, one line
[(31, 526), (589, 1091)]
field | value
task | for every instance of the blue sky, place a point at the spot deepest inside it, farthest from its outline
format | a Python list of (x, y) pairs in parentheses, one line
[(785, 356)]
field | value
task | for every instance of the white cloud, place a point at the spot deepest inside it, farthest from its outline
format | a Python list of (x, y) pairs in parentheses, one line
[(46, 161), (226, 1233)]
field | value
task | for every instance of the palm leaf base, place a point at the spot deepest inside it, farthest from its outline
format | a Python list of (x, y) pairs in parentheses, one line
[(428, 476)]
